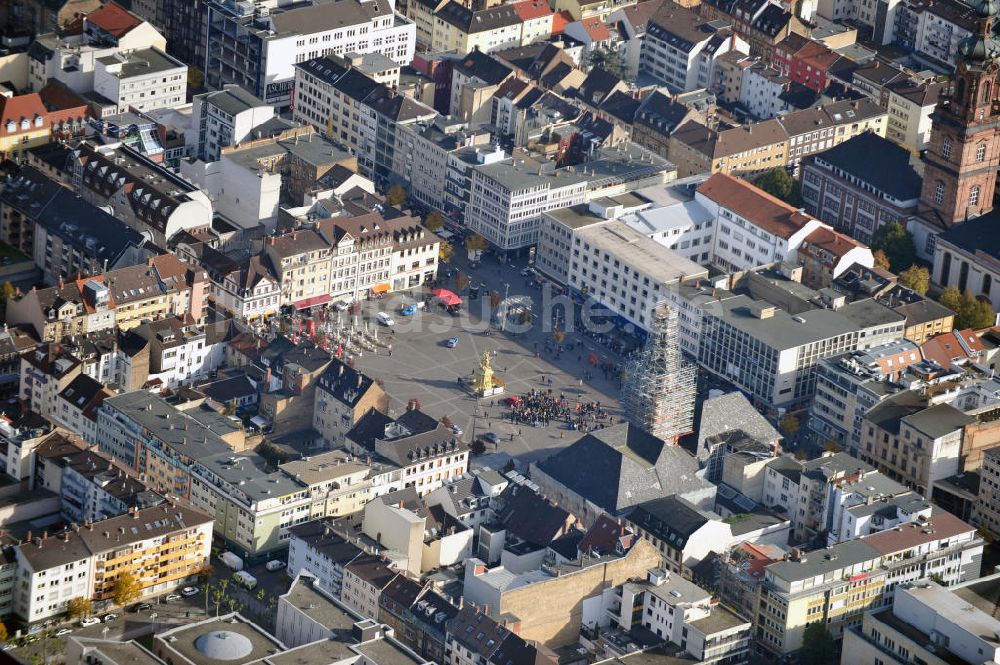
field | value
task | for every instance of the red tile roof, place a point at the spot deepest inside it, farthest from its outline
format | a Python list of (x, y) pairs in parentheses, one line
[(818, 55), (836, 243), (596, 28), (114, 18), (21, 107), (560, 20), (951, 346), (531, 9), (941, 525), (755, 205)]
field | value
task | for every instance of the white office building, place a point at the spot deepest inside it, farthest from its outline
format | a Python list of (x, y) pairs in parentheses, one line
[(225, 118), (145, 79)]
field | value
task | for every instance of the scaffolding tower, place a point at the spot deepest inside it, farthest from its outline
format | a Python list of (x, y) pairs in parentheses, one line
[(659, 387)]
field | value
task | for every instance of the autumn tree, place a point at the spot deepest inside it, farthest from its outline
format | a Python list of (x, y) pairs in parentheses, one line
[(7, 291), (195, 79), (79, 607), (126, 589), (789, 424), (433, 221), (897, 243), (396, 196), (3, 632), (778, 183), (917, 278), (476, 243), (445, 251), (461, 281), (881, 260)]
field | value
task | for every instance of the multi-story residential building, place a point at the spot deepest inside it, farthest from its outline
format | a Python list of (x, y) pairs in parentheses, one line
[(225, 118), (817, 129), (162, 288), (536, 20), (934, 29), (926, 623), (507, 198), (24, 124), (752, 227), (872, 504), (315, 548), (302, 263), (459, 28), (91, 485), (762, 91), (145, 80), (680, 48), (108, 31), (179, 351), (355, 110), (147, 196), (861, 185), (839, 585), (35, 214), (849, 386), (40, 17), (258, 50), (45, 373), (683, 613), (87, 560), (181, 23), (739, 151), (683, 534), (343, 396), (77, 405), (604, 259), (245, 290), (364, 579), (910, 107)]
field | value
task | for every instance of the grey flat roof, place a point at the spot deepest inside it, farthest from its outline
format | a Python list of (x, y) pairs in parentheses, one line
[(319, 607), (721, 619), (385, 652), (261, 642), (233, 99), (781, 331), (820, 562), (662, 264), (144, 61), (178, 429), (938, 420), (247, 471)]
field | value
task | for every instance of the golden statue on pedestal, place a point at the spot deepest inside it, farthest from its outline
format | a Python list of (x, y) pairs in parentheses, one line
[(484, 383)]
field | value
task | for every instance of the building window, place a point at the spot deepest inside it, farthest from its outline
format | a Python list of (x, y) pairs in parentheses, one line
[(974, 195), (938, 192), (981, 152), (946, 149), (987, 285)]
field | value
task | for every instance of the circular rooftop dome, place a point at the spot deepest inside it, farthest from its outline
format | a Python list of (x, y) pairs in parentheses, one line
[(224, 645)]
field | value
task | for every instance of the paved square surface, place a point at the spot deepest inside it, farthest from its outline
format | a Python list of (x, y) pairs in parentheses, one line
[(422, 367)]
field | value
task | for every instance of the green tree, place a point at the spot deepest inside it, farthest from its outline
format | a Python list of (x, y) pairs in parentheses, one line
[(230, 408), (917, 278), (897, 243), (396, 196), (818, 645), (126, 589), (881, 260), (951, 298), (445, 251), (778, 183), (79, 607), (433, 221)]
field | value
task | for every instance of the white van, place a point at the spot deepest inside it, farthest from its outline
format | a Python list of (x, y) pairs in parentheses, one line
[(384, 319)]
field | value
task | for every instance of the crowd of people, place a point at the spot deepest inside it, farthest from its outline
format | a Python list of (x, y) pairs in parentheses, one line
[(542, 407)]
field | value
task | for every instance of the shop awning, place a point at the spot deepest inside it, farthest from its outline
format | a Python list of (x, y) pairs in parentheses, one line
[(380, 288), (312, 302)]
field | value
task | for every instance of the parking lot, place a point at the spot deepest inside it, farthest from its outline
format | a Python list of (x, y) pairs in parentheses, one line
[(421, 365)]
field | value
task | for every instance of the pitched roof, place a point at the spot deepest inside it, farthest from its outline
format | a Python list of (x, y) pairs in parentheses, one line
[(946, 348), (484, 67), (671, 519), (833, 242), (976, 235), (877, 161), (560, 20), (21, 107), (114, 19), (530, 517), (532, 9), (940, 526), (636, 466), (754, 204), (596, 29)]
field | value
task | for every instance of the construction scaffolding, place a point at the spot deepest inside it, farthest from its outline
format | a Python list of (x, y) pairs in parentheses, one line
[(659, 386)]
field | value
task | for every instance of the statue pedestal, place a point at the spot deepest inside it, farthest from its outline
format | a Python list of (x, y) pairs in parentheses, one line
[(484, 383)]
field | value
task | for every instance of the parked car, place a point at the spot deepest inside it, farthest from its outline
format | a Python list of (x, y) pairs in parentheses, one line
[(63, 631), (275, 565), (108, 618), (189, 591), (490, 437), (173, 596), (452, 342), (527, 272), (456, 430), (341, 305), (409, 310), (141, 607), (89, 621), (384, 319)]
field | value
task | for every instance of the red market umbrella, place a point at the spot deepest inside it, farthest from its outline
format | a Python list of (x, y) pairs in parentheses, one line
[(449, 298)]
